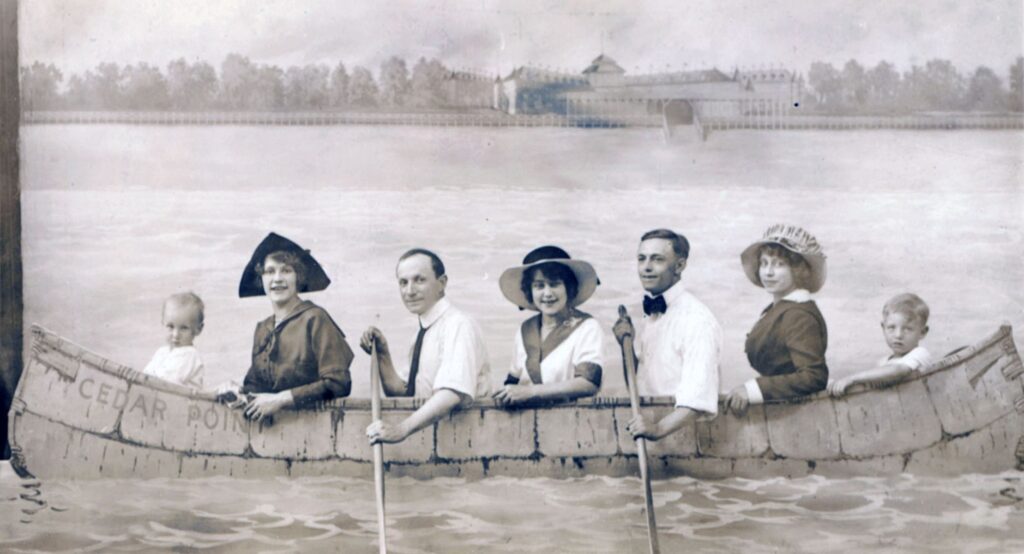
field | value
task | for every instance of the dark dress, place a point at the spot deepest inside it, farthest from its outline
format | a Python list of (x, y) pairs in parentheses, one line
[(305, 353), (787, 347)]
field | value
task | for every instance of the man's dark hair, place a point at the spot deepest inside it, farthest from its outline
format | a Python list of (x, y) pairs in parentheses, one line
[(680, 245), (435, 260)]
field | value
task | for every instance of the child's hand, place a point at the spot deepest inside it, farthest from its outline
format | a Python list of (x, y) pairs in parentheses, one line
[(738, 401), (230, 394), (838, 387)]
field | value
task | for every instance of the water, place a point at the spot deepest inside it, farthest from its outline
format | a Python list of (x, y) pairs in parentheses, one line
[(811, 514), (117, 217)]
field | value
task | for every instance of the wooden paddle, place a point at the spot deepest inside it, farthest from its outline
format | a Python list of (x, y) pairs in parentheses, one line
[(641, 444), (378, 448)]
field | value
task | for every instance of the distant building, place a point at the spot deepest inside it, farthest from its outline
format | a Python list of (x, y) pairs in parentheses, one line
[(465, 89), (604, 92)]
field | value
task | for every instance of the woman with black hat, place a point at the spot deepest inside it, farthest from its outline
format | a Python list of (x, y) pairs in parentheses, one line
[(787, 344), (558, 351), (299, 354)]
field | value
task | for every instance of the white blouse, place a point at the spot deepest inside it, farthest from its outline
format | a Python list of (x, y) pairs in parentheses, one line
[(583, 345)]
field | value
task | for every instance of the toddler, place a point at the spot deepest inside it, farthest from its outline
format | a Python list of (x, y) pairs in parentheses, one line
[(178, 361)]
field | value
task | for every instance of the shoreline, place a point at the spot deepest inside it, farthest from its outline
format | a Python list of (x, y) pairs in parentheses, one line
[(705, 125)]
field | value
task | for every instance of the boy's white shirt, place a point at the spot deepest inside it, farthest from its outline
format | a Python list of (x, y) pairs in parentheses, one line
[(182, 365), (916, 359)]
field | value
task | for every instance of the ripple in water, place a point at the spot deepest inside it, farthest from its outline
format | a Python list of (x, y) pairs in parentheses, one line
[(978, 513)]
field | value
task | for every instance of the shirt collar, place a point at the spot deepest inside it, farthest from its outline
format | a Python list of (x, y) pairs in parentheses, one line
[(798, 296), (434, 313), (674, 293), (298, 309)]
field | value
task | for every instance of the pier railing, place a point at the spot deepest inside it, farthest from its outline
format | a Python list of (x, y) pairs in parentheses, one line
[(706, 121)]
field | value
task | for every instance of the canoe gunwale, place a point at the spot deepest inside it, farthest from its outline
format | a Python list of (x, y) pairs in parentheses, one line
[(56, 342), (858, 434)]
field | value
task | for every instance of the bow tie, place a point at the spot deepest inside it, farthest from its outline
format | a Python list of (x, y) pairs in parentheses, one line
[(654, 305)]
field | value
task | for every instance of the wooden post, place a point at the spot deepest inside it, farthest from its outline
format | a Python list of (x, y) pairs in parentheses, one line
[(11, 302)]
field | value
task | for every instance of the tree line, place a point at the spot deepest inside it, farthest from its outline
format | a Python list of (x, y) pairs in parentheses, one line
[(935, 86), (241, 84)]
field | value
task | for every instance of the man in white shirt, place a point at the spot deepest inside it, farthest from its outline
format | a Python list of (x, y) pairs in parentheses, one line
[(448, 364), (679, 342)]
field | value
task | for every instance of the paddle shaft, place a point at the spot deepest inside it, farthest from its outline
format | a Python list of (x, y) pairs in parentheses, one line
[(641, 443), (378, 449)]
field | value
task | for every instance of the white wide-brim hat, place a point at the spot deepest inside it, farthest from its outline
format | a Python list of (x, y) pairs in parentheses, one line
[(795, 240), (512, 278)]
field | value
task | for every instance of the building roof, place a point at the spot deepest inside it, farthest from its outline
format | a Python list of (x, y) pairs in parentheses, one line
[(603, 64)]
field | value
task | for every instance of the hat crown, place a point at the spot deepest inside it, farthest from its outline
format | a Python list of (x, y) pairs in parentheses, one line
[(545, 253), (794, 238)]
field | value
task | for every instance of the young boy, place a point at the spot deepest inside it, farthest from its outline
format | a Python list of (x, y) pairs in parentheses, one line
[(178, 361), (904, 324)]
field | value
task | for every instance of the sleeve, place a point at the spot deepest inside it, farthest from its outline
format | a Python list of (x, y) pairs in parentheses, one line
[(333, 360), (700, 349), (805, 341), (192, 370), (154, 363), (587, 355), (917, 359), (461, 359)]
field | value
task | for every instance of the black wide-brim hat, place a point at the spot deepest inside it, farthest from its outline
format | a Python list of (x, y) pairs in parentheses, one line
[(252, 283), (511, 278)]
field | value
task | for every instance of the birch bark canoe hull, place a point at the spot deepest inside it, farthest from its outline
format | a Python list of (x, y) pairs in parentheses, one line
[(77, 415)]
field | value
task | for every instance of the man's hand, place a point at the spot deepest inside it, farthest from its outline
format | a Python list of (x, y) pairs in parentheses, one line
[(642, 427), (737, 401), (378, 431), (371, 334), (624, 326), (510, 395)]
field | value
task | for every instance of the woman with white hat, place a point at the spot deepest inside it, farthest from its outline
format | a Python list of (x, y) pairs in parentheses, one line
[(558, 351), (787, 344)]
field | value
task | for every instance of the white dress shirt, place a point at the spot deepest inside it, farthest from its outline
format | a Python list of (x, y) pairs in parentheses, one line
[(453, 355), (679, 352)]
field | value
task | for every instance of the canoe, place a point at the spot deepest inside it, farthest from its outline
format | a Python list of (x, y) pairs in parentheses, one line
[(79, 415)]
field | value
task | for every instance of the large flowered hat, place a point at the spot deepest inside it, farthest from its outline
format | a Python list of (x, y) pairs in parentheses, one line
[(512, 278), (795, 240), (252, 284)]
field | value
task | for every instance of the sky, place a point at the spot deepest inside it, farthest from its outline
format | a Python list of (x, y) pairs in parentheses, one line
[(494, 36)]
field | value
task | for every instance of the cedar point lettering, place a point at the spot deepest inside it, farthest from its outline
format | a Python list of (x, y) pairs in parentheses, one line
[(151, 406)]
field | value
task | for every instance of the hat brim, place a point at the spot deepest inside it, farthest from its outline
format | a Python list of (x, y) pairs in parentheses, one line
[(751, 263), (252, 283), (586, 277)]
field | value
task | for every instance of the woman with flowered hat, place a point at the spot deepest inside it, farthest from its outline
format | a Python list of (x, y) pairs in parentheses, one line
[(558, 350), (299, 353), (787, 344)]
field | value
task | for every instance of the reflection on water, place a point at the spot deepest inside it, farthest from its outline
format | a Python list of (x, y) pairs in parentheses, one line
[(811, 514)]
